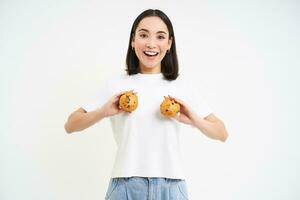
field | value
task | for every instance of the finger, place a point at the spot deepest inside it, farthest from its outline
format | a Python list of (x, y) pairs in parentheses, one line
[(119, 106), (177, 100), (177, 116), (172, 98), (121, 93), (119, 111), (115, 99), (131, 91)]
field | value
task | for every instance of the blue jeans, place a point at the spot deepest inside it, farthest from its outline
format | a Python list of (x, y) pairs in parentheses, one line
[(143, 188)]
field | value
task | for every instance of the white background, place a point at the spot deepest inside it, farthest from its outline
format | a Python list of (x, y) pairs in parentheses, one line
[(55, 54)]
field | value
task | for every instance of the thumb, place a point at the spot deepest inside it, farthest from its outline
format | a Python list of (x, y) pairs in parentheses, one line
[(177, 116)]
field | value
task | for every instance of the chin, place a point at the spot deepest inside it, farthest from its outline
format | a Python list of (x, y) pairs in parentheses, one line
[(150, 65)]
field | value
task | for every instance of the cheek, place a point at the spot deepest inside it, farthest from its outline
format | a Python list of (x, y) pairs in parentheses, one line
[(164, 45), (139, 44)]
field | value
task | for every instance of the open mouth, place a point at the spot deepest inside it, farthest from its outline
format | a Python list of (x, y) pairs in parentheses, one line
[(150, 53)]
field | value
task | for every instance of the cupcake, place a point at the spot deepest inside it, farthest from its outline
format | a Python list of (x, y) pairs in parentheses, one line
[(169, 107), (128, 101)]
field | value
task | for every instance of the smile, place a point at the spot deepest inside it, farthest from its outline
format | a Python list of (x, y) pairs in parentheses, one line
[(150, 53)]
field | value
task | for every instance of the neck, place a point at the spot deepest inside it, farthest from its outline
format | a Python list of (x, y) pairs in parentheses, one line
[(147, 70)]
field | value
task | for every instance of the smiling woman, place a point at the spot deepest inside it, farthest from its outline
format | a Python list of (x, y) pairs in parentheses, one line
[(152, 46), (148, 163), (151, 42)]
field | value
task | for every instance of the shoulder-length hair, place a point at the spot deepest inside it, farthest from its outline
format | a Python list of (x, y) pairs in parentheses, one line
[(169, 64)]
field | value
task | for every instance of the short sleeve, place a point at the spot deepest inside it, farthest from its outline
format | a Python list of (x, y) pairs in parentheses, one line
[(202, 108), (100, 97), (195, 99)]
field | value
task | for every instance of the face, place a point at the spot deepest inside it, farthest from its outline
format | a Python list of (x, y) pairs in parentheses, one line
[(151, 42)]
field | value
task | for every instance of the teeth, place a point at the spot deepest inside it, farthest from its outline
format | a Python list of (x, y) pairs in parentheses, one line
[(151, 53)]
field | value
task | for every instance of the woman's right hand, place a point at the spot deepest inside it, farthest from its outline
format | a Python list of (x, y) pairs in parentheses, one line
[(80, 119), (111, 107)]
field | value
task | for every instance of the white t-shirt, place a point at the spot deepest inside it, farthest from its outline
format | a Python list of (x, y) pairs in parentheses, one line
[(148, 143)]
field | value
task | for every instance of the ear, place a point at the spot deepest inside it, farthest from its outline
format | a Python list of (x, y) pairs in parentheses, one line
[(132, 42), (170, 43)]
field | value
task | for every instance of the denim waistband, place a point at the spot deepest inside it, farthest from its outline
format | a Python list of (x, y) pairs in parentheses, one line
[(150, 179)]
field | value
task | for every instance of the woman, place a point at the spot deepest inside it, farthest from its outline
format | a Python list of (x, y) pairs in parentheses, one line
[(148, 160)]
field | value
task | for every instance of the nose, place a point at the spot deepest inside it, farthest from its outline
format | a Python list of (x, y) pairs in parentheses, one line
[(150, 43)]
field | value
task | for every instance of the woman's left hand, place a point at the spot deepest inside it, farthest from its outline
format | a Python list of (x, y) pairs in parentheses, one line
[(211, 125), (186, 114)]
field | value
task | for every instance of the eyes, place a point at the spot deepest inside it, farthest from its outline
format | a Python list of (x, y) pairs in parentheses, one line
[(144, 35)]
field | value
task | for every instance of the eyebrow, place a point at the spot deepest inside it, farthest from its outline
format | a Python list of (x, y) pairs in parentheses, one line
[(142, 29)]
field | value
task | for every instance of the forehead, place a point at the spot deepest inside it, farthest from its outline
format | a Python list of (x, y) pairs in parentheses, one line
[(153, 24)]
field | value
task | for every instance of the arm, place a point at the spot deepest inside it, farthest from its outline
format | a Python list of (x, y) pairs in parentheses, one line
[(80, 119), (211, 126)]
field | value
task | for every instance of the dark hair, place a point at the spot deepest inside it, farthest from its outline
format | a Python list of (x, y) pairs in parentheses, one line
[(169, 64)]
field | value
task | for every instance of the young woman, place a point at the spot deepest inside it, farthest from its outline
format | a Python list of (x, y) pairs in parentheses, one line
[(148, 163)]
